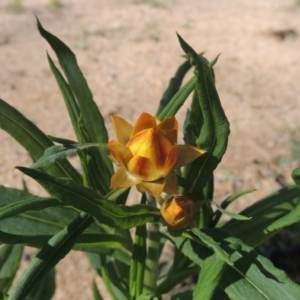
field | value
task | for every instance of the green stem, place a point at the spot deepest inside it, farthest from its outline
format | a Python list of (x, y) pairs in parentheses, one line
[(153, 241)]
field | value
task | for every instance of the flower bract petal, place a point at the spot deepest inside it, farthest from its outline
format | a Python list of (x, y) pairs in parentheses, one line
[(122, 129), (154, 188), (122, 179), (171, 184), (186, 154), (116, 152), (169, 127), (145, 121), (171, 160)]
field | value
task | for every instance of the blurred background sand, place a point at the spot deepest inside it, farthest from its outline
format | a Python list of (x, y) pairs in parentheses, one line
[(128, 51)]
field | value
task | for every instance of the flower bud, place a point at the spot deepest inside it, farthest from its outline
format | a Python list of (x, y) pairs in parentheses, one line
[(179, 214)]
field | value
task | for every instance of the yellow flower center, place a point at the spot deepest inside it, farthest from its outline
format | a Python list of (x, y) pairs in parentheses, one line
[(147, 153)]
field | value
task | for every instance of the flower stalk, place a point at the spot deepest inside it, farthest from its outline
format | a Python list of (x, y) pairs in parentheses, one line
[(152, 259)]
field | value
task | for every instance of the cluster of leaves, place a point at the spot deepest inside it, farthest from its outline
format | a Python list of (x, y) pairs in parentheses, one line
[(82, 213)]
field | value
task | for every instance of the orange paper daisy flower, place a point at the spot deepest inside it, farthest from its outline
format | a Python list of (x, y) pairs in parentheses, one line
[(147, 154)]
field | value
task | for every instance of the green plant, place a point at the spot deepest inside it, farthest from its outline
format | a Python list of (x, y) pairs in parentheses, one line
[(84, 213)]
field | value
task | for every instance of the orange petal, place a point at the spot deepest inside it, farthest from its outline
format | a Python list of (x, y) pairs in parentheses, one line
[(143, 168), (154, 188), (169, 127), (116, 151), (186, 154), (168, 124), (171, 160), (122, 179), (145, 121), (113, 159), (153, 145), (122, 129), (171, 184)]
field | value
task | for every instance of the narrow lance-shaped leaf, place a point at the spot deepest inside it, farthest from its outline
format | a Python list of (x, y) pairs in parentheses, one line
[(178, 100), (96, 293), (92, 164), (105, 267), (32, 139), (192, 127), (247, 275), (213, 135), (293, 216), (264, 213), (176, 277), (10, 259), (230, 214), (107, 212), (174, 86), (31, 220), (193, 121), (56, 249), (55, 153), (210, 275), (68, 96), (92, 117), (225, 203), (45, 288), (19, 207), (101, 243)]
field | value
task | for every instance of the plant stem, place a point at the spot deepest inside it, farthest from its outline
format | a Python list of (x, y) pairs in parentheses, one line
[(153, 240)]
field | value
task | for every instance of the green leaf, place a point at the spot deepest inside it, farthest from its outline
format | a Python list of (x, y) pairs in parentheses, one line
[(293, 216), (92, 118), (56, 249), (270, 210), (65, 142), (36, 226), (285, 221), (10, 258), (210, 275), (45, 288), (96, 293), (183, 296), (175, 277), (296, 177), (147, 297), (247, 275), (178, 100), (214, 132), (174, 86), (34, 203), (100, 243), (32, 139), (106, 267), (193, 122), (3, 296), (211, 243), (82, 198), (55, 153), (191, 248), (91, 163), (230, 214), (68, 96), (225, 203)]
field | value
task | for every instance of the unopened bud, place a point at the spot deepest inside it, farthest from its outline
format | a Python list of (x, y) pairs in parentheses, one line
[(179, 213)]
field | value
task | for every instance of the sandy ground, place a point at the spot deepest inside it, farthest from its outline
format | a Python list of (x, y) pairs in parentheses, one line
[(128, 51)]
